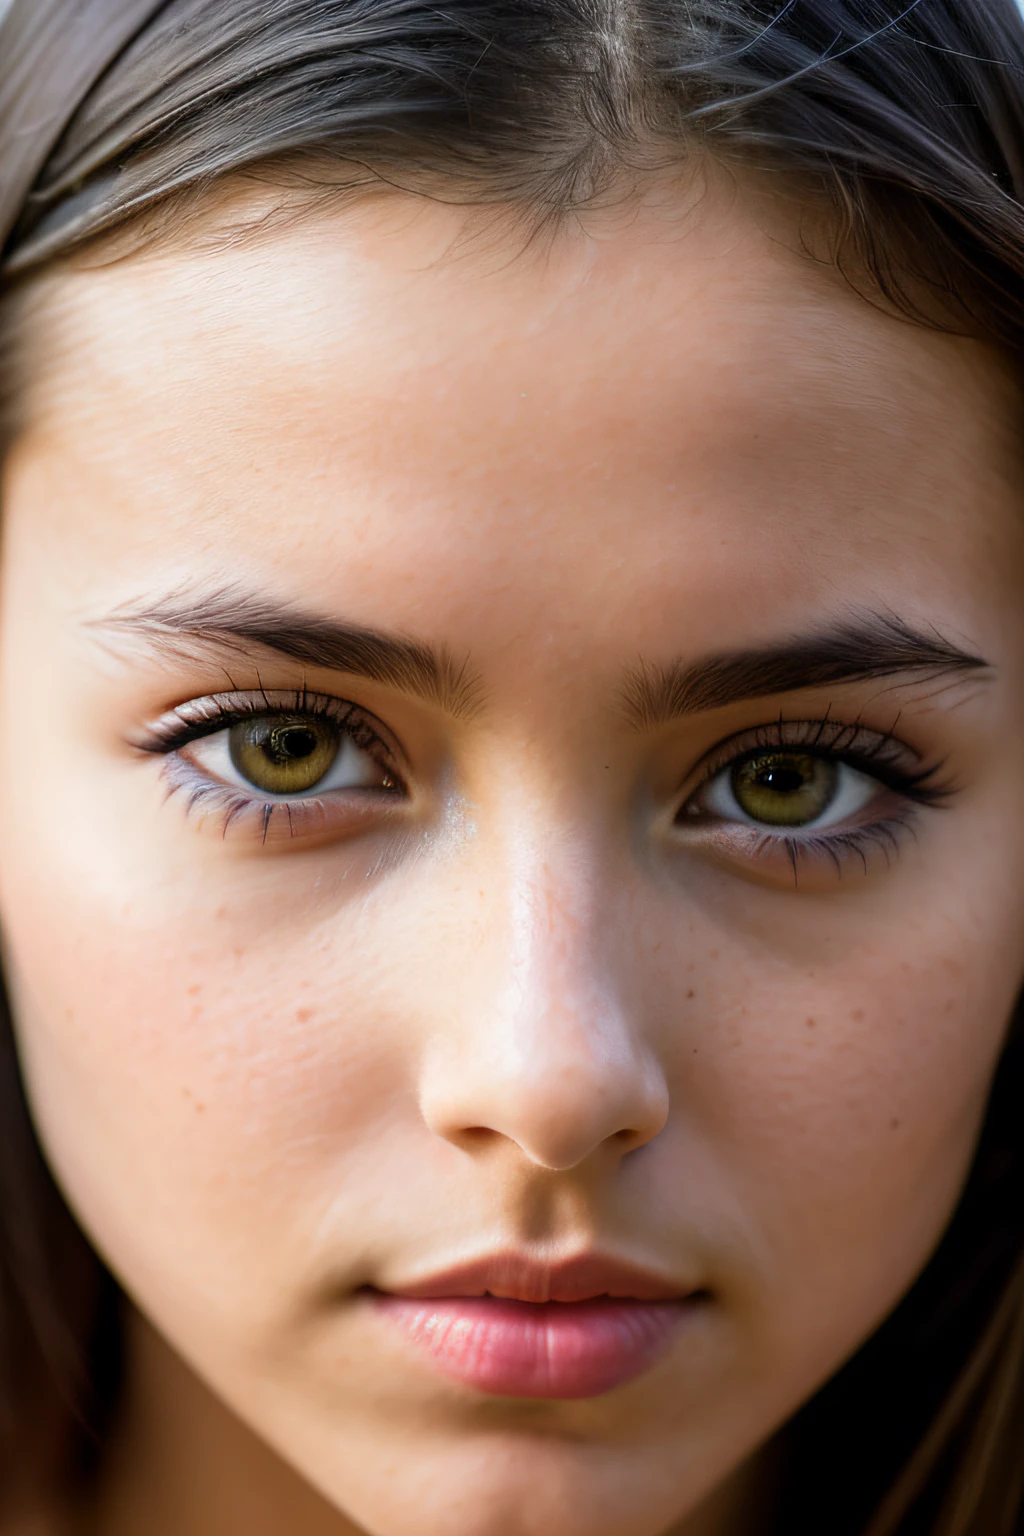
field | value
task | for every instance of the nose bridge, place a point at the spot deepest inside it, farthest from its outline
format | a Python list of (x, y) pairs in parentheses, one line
[(546, 1052), (560, 984)]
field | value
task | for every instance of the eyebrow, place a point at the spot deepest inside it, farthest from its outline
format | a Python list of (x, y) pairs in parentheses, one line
[(872, 645), (239, 620)]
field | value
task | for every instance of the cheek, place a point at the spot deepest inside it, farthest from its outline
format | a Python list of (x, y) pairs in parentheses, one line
[(243, 1076), (253, 1074), (834, 1110)]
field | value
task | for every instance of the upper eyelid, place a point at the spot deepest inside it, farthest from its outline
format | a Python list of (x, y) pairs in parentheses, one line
[(173, 730), (844, 745), (892, 762)]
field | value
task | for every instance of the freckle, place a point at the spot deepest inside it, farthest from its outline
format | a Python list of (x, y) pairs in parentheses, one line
[(691, 993), (712, 954), (303, 1014), (195, 991), (812, 1023), (221, 912), (200, 1109), (857, 1015), (69, 1014)]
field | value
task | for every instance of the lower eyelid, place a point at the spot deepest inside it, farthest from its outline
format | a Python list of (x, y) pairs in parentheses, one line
[(259, 819), (815, 862)]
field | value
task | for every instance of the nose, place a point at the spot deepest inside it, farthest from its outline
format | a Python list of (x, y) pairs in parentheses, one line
[(545, 1053)]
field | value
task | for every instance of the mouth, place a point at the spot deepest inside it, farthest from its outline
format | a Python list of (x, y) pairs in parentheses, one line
[(510, 1327)]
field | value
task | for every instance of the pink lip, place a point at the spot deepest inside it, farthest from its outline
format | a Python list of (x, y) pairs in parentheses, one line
[(511, 1327)]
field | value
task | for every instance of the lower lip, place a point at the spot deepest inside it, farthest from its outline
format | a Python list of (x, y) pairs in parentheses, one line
[(548, 1350)]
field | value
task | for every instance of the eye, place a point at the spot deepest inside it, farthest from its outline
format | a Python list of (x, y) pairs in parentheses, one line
[(800, 802), (780, 789), (289, 756)]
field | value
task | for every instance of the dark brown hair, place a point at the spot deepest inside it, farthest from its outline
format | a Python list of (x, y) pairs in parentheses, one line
[(902, 120)]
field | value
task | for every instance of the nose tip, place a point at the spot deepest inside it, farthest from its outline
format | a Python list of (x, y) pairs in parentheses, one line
[(558, 1114)]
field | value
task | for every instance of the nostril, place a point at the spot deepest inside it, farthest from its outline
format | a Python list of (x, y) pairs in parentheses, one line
[(474, 1138)]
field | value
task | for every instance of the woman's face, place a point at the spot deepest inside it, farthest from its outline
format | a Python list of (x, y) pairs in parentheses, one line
[(510, 782)]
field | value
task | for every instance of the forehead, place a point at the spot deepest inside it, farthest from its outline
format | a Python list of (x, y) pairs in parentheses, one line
[(674, 396)]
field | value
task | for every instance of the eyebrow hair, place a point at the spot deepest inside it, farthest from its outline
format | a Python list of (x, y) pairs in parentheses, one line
[(239, 620), (868, 646)]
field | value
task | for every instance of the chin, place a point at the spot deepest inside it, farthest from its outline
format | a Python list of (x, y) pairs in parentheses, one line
[(517, 1485)]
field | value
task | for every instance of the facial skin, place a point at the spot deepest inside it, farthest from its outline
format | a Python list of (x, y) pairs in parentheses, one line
[(524, 1000)]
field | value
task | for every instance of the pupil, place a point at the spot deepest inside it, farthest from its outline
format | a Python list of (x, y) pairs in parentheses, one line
[(291, 744), (781, 781)]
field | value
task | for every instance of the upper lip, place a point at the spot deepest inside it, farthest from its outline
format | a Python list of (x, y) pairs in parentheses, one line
[(521, 1277)]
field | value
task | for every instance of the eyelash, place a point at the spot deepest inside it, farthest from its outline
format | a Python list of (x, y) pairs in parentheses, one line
[(200, 719), (878, 755)]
